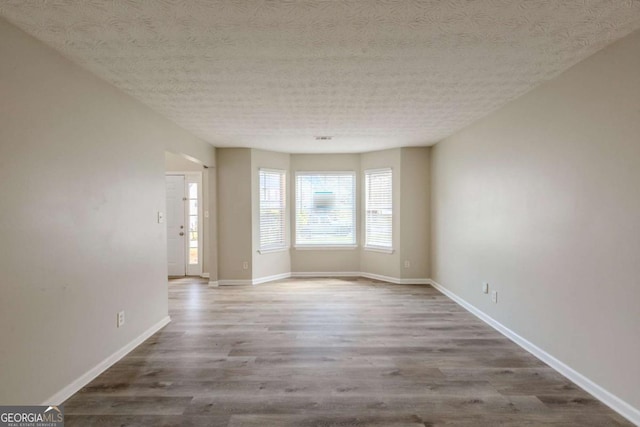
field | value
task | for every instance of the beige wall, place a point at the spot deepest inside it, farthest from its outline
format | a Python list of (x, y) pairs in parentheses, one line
[(212, 244), (385, 264), (273, 263), (411, 205), (82, 172), (411, 195), (234, 213), (541, 199), (414, 222), (344, 260), (178, 163)]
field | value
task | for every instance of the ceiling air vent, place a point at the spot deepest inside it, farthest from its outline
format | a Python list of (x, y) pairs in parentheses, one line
[(324, 138)]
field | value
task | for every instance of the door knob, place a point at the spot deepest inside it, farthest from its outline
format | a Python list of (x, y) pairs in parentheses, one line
[(182, 233)]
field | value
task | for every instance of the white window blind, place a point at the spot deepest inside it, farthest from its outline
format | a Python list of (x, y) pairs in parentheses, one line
[(325, 209), (378, 209), (272, 209)]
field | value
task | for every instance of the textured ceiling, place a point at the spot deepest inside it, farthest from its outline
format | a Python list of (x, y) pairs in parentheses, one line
[(372, 74)]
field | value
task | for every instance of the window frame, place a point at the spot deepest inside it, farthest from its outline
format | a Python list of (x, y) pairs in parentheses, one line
[(284, 245), (365, 245), (327, 246)]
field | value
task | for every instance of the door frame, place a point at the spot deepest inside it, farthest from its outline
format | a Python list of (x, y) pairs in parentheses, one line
[(192, 177)]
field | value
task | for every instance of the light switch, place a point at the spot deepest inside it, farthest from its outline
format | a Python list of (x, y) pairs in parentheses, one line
[(160, 217)]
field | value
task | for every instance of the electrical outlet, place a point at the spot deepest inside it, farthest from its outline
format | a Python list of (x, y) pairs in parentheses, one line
[(494, 297), (120, 321), (407, 264), (245, 265), (485, 287)]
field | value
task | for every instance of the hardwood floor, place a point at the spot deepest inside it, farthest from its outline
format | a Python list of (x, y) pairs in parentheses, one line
[(329, 352)]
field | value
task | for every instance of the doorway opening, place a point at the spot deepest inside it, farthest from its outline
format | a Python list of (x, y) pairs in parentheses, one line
[(184, 217)]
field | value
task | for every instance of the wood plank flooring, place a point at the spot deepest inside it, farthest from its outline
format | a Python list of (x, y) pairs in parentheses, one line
[(329, 352)]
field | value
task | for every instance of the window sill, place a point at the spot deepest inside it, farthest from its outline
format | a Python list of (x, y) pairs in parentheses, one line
[(325, 247), (379, 249), (273, 250)]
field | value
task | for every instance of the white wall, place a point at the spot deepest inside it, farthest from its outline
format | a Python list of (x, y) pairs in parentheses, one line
[(82, 173), (541, 199), (273, 263)]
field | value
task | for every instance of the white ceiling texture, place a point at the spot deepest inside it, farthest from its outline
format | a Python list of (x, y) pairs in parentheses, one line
[(275, 74)]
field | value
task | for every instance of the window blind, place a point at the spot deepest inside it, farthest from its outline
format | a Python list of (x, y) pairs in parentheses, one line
[(378, 208), (272, 209), (325, 208)]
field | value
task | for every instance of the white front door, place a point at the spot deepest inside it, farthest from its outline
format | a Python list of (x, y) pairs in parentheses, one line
[(176, 233)]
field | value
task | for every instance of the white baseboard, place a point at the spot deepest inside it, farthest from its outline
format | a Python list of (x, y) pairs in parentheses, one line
[(251, 282), (205, 275), (396, 280), (213, 283), (326, 274), (614, 402), (266, 279), (91, 374), (415, 281)]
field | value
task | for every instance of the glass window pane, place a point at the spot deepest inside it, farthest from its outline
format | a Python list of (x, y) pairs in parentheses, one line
[(192, 230), (193, 223), (193, 190), (378, 208), (272, 209), (325, 209), (193, 255)]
